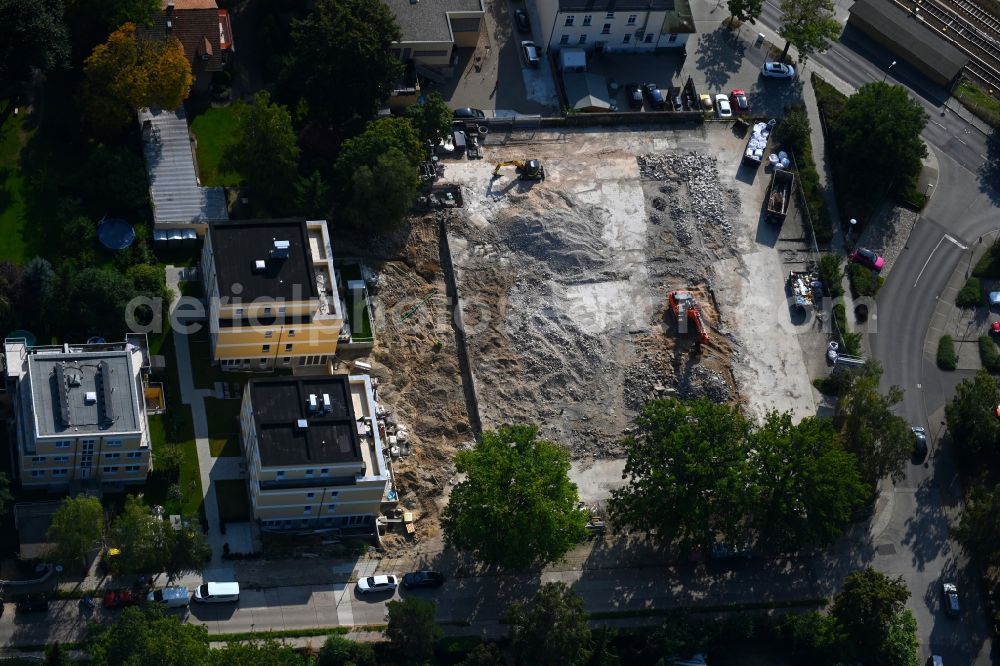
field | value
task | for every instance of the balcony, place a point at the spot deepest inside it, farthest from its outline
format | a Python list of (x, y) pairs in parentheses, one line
[(315, 482)]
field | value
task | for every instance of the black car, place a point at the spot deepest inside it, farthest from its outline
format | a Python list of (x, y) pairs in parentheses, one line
[(949, 595), (919, 444), (33, 603), (468, 113), (521, 19), (423, 579), (634, 94), (654, 95)]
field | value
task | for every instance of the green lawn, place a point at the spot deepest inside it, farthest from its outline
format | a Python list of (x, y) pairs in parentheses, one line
[(223, 426), (361, 327), (980, 102), (204, 373), (215, 130), (13, 216), (234, 505)]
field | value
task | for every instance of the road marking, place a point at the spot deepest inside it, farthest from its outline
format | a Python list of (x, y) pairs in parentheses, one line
[(938, 124), (961, 142), (841, 55), (931, 255), (955, 241)]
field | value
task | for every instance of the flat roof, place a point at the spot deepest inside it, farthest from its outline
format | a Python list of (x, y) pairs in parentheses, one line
[(279, 403), (910, 39), (237, 246), (427, 20), (83, 393)]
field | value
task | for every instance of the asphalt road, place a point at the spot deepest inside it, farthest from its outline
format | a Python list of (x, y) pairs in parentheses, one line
[(914, 542)]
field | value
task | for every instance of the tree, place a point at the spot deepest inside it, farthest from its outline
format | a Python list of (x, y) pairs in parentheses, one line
[(127, 72), (881, 440), (312, 196), (187, 552), (147, 636), (411, 628), (971, 417), (484, 654), (38, 289), (141, 537), (379, 137), (809, 25), (109, 14), (339, 651), (342, 59), (867, 607), (978, 529), (32, 37), (432, 118), (792, 133), (517, 506), (380, 195), (885, 122), (265, 152), (5, 497), (814, 638), (96, 300), (55, 655), (745, 11), (10, 293), (77, 527), (807, 486), (686, 472), (552, 629), (260, 652), (899, 647)]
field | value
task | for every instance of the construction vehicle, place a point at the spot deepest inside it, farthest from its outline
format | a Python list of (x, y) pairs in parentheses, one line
[(686, 309), (526, 169), (779, 194)]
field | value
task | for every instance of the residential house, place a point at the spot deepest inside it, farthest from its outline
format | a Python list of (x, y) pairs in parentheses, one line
[(275, 298), (433, 29), (80, 414), (615, 26), (203, 30), (313, 452)]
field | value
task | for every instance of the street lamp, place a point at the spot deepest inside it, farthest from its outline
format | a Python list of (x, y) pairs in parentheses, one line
[(854, 226), (887, 71)]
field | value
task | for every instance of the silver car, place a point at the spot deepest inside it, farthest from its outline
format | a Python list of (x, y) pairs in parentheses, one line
[(777, 70), (373, 584)]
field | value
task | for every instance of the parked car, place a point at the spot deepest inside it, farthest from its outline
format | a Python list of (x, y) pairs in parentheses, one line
[(722, 108), (170, 597), (706, 101), (634, 94), (423, 579), (740, 102), (919, 443), (949, 595), (521, 20), (468, 113), (374, 584), (653, 94), (216, 593), (994, 298), (868, 259), (119, 598), (530, 51), (777, 70), (33, 603)]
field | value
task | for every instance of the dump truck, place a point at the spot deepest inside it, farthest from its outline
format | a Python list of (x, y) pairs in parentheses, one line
[(756, 148), (779, 195)]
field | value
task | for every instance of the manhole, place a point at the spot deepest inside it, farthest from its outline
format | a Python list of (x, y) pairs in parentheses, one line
[(886, 549)]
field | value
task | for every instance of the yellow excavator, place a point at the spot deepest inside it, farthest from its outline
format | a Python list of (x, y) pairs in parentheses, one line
[(526, 169)]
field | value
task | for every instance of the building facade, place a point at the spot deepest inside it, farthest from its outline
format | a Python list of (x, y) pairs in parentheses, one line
[(80, 414), (273, 294), (313, 452), (629, 26), (433, 29)]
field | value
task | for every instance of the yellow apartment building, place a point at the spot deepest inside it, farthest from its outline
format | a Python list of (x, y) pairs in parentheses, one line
[(80, 414), (272, 293), (313, 452)]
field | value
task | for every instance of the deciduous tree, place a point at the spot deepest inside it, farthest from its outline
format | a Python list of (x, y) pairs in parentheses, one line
[(411, 628), (339, 651), (260, 652), (77, 527), (312, 196), (551, 629), (147, 636), (868, 607), (745, 11), (342, 59), (432, 118), (809, 25), (32, 37), (265, 153), (188, 551), (516, 506), (978, 529), (38, 289), (140, 536), (971, 417), (128, 72)]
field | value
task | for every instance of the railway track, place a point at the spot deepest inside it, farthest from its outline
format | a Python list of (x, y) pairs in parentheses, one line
[(971, 27)]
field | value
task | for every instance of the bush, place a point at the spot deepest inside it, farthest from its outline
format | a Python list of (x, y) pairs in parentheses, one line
[(840, 318), (864, 281), (833, 384), (988, 354), (831, 274), (792, 134), (851, 344), (988, 265), (947, 359), (971, 295)]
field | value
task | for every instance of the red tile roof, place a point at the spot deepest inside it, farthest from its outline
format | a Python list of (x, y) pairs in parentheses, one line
[(196, 24)]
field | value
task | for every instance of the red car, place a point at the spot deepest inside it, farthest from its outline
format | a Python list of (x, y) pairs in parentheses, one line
[(119, 599), (868, 259), (740, 102)]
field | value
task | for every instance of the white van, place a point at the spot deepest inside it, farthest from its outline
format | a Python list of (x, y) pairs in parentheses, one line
[(217, 593), (170, 597)]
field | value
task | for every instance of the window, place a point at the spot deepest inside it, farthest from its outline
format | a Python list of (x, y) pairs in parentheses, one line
[(36, 473), (282, 310), (626, 39), (88, 442), (649, 38), (265, 348), (268, 334), (60, 459), (672, 39), (63, 444), (38, 460), (267, 311), (291, 332), (310, 495), (286, 360), (280, 476), (564, 39), (570, 20), (309, 473), (582, 40), (132, 468), (609, 15), (239, 312), (324, 472), (111, 470), (587, 19), (135, 454), (112, 442), (288, 348), (263, 362), (60, 472), (307, 509), (632, 18), (606, 30), (112, 456)]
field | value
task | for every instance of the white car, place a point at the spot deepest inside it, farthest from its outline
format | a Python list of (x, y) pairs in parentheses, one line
[(777, 70), (170, 597), (374, 584), (722, 108), (530, 51)]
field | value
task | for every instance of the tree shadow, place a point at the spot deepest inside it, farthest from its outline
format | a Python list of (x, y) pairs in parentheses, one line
[(989, 172), (720, 56), (927, 531)]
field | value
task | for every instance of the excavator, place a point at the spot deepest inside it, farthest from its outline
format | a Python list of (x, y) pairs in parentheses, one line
[(685, 307), (526, 169)]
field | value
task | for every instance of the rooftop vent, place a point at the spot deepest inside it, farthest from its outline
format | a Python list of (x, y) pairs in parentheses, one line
[(73, 378), (90, 397), (302, 424), (313, 407), (280, 249), (170, 25), (327, 403), (259, 266)]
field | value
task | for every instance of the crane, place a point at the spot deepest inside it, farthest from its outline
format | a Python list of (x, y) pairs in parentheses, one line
[(526, 169), (686, 308)]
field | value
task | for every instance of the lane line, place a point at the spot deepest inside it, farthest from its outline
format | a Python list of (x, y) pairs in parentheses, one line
[(837, 53), (938, 124), (955, 241), (961, 142), (931, 255)]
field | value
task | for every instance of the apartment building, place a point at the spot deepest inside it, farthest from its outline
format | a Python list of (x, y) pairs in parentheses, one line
[(313, 452), (273, 294), (615, 26), (80, 414)]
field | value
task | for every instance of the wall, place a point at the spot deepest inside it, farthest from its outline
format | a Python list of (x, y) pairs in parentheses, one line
[(649, 22)]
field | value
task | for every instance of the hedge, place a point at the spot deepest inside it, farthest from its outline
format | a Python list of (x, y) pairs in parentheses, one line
[(971, 294), (988, 354), (947, 359), (864, 281)]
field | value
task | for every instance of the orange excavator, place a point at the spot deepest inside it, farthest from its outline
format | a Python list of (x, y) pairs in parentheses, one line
[(686, 308)]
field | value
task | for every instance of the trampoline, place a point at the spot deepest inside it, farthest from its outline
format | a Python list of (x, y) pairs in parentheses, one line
[(115, 234)]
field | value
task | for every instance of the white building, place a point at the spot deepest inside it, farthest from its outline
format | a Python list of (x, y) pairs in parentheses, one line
[(624, 26)]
